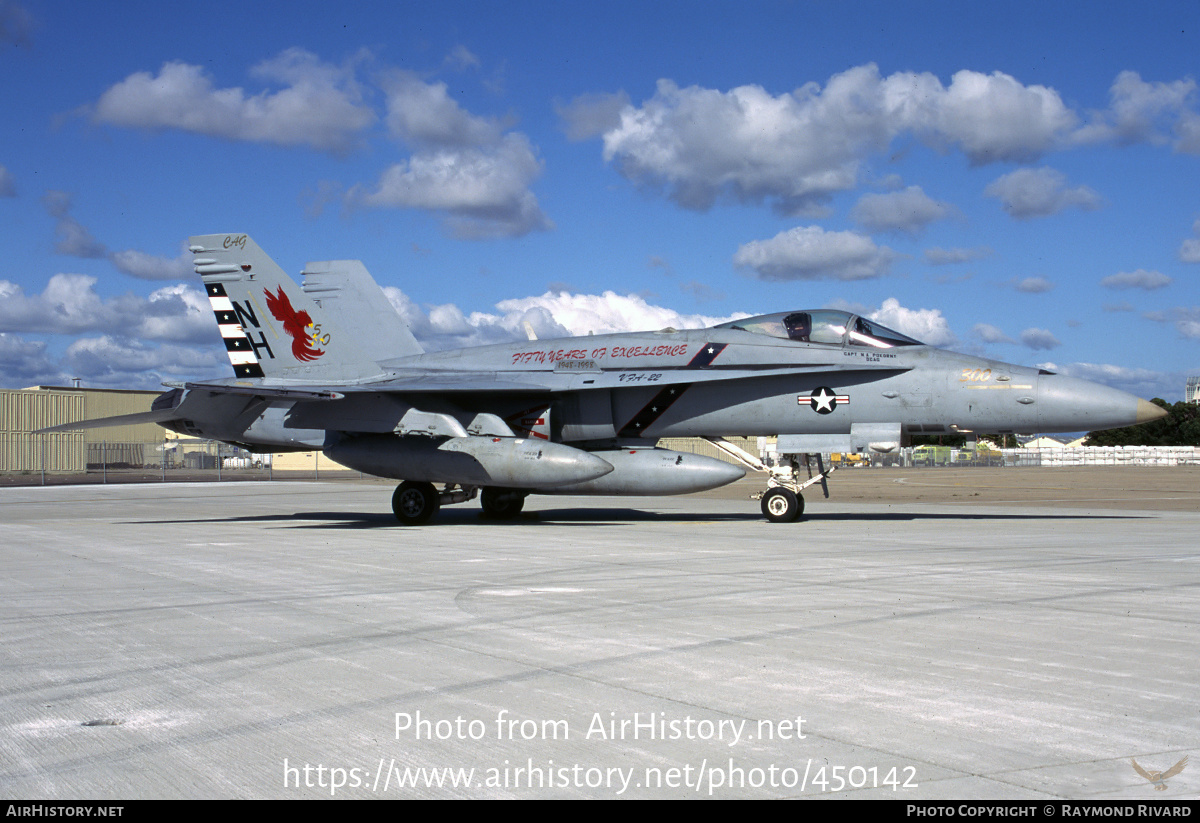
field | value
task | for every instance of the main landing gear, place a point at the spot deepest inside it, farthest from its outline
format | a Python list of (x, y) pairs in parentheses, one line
[(780, 505), (501, 504), (782, 501), (415, 503)]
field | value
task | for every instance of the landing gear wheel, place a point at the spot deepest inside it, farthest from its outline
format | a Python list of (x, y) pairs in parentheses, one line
[(415, 503), (501, 504), (782, 505)]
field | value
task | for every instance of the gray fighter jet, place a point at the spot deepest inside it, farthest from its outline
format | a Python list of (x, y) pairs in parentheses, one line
[(330, 365)]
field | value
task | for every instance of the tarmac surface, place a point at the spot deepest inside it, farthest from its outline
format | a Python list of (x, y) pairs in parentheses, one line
[(923, 634)]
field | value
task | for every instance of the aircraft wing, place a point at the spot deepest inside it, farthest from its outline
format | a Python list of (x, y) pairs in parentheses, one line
[(424, 382), (266, 392), (448, 381)]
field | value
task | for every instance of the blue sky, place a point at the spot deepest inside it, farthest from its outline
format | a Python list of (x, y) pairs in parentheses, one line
[(1017, 180)]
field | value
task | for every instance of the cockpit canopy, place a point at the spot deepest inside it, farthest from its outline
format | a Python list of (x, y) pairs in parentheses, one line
[(826, 326)]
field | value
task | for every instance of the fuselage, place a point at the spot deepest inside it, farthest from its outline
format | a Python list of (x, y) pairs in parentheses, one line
[(732, 380), (327, 365)]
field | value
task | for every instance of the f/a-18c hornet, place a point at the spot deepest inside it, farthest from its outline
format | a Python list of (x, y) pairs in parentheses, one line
[(330, 365)]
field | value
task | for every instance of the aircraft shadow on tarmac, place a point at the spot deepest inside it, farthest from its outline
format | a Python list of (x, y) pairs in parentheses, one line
[(468, 517), (610, 516)]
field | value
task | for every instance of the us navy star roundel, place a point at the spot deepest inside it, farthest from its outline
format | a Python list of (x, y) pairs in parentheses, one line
[(823, 400)]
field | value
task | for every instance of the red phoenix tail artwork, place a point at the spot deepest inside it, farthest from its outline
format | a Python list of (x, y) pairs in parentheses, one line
[(294, 323)]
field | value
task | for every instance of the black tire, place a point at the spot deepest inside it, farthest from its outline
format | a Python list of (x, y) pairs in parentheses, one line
[(501, 504), (782, 506), (415, 503)]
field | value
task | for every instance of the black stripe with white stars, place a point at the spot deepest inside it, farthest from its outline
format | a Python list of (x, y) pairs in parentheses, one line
[(706, 355), (242, 356), (653, 410)]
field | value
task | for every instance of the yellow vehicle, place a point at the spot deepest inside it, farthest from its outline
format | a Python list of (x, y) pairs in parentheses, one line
[(848, 460), (931, 456), (989, 457)]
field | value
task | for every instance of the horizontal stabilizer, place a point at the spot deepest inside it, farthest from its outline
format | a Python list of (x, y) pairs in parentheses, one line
[(158, 416)]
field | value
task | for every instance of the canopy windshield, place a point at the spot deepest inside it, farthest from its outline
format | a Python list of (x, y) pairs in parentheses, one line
[(826, 326)]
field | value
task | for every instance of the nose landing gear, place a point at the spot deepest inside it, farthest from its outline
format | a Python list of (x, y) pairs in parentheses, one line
[(780, 505), (782, 501)]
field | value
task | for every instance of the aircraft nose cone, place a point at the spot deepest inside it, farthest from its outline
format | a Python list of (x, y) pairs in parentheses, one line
[(1070, 404), (1148, 412)]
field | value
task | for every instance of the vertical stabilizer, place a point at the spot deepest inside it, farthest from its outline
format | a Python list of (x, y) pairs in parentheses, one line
[(352, 299), (273, 329)]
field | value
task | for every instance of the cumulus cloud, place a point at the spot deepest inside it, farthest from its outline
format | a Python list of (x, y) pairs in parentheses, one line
[(1032, 285), (811, 253), (152, 267), (134, 340), (179, 313), (16, 24), (591, 115), (484, 190), (1039, 339), (1189, 249), (701, 292), (1140, 279), (795, 150), (990, 334), (1142, 112), (25, 362), (120, 362), (1137, 381), (70, 305), (74, 239), (941, 257), (108, 360), (1027, 193), (1188, 131), (71, 238), (553, 314), (701, 143), (609, 312), (926, 325), (8, 186), (448, 327), (469, 167), (1186, 320), (463, 165), (908, 211), (314, 103), (461, 58), (990, 117), (424, 116)]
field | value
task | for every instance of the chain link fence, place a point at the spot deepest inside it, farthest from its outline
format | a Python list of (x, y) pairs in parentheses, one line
[(943, 456), (45, 460)]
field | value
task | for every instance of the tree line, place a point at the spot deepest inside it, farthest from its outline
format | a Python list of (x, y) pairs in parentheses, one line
[(1181, 427)]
